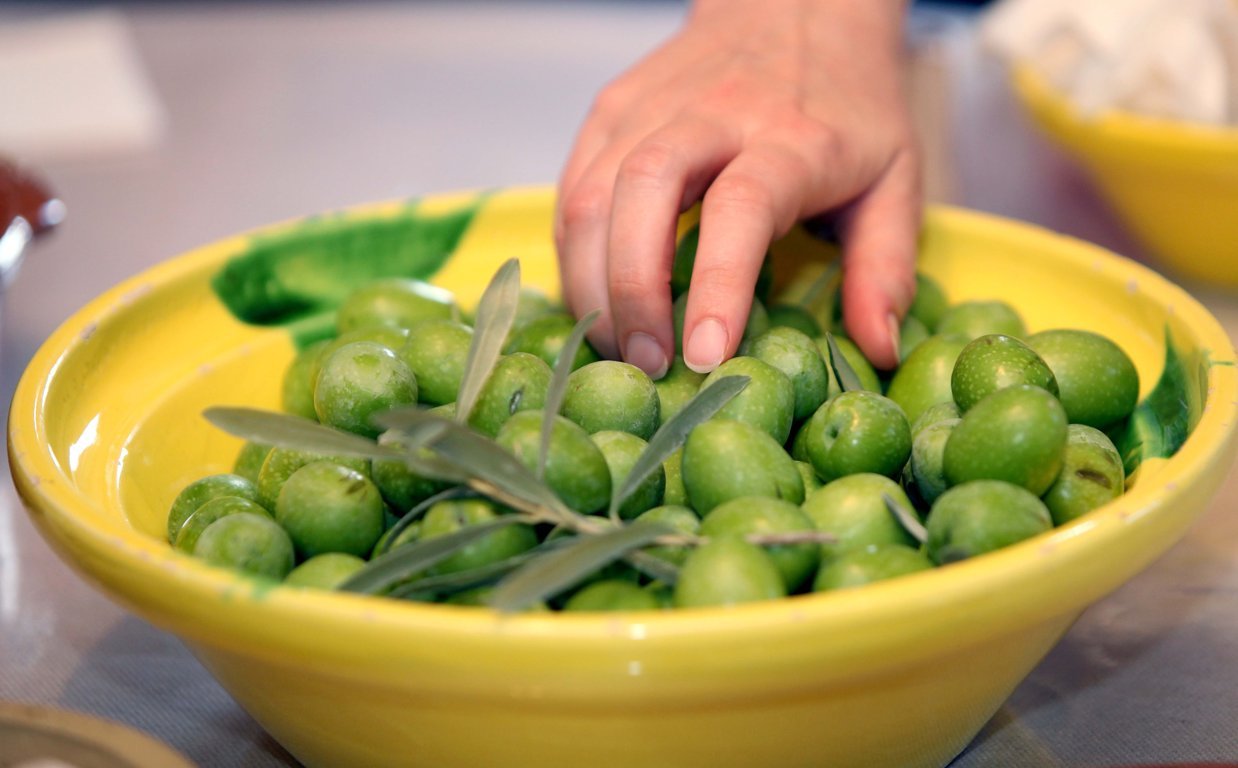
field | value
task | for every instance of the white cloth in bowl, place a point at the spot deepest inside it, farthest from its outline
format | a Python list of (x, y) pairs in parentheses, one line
[(1175, 59)]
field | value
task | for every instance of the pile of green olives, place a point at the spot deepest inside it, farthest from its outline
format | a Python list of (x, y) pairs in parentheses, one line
[(985, 435)]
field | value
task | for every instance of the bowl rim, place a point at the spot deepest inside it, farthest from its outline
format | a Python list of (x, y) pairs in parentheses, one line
[(59, 507), (1124, 127)]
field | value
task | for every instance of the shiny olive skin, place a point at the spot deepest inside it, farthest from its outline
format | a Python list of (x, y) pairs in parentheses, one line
[(930, 302), (396, 302), (326, 507), (612, 395), (923, 379), (576, 468), (928, 459), (210, 512), (1017, 434), (994, 362), (250, 543), (859, 432), (518, 382), (544, 337), (1098, 382), (768, 400), (973, 319), (762, 515), (860, 567), (853, 510), (621, 450), (297, 389), (679, 517), (725, 459), (612, 595), (325, 571), (726, 571), (1092, 475), (200, 491), (676, 389), (359, 380), (982, 516), (863, 369), (449, 516), (436, 354), (796, 355)]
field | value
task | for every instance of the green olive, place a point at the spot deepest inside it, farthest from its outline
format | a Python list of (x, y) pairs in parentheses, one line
[(995, 362), (762, 515), (852, 509), (326, 507), (544, 337), (325, 571), (797, 356), (359, 380), (518, 382), (982, 516), (621, 451), (725, 459), (576, 468), (197, 493), (251, 543), (726, 571), (610, 395), (859, 567), (767, 402), (396, 302), (1098, 381), (973, 319), (436, 353)]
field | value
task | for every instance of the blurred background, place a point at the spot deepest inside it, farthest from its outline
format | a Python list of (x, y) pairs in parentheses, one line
[(166, 125)]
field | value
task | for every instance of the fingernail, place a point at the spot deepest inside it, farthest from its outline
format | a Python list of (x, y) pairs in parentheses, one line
[(643, 351), (895, 337), (706, 347)]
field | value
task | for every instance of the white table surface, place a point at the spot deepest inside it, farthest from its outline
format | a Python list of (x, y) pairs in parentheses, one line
[(276, 110)]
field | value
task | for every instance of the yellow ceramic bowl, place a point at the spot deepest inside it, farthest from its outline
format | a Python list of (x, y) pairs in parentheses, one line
[(106, 428), (1174, 185)]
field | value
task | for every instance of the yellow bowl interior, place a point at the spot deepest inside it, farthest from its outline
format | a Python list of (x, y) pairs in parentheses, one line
[(106, 428)]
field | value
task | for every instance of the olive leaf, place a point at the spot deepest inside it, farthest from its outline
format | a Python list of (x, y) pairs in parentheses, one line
[(417, 457), (847, 378), (496, 311), (654, 567), (471, 578), (490, 470), (906, 518), (552, 573), (671, 435), (297, 432), (415, 514), (403, 563), (558, 385)]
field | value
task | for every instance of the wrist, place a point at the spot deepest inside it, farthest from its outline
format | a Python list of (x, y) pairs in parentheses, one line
[(889, 10), (745, 19)]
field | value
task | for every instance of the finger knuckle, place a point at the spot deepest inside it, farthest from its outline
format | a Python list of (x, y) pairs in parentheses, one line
[(825, 143), (742, 191), (610, 102), (585, 207), (651, 165), (627, 288)]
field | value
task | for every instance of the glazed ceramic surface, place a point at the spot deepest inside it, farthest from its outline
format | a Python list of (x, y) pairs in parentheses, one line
[(1174, 185), (106, 428)]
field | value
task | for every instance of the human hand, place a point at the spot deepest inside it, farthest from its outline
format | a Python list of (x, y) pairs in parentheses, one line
[(767, 113)]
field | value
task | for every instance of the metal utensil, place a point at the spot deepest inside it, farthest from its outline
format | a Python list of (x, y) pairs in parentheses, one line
[(27, 209)]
